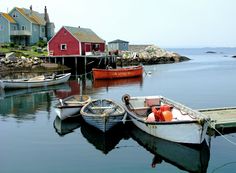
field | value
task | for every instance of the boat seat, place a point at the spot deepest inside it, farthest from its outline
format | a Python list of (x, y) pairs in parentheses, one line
[(142, 110)]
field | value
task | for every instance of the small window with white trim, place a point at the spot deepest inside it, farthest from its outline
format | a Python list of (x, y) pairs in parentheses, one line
[(63, 46)]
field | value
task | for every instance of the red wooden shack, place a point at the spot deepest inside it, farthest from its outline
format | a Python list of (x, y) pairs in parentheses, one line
[(75, 41)]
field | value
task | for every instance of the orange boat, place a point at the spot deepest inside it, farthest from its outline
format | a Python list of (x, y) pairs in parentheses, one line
[(126, 72)]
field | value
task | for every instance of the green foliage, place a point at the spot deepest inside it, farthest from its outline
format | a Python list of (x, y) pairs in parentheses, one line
[(41, 43)]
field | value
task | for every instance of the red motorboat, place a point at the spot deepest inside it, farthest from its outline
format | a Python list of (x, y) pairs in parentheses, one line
[(126, 72)]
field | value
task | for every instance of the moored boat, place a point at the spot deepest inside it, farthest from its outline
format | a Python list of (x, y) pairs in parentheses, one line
[(102, 113), (71, 105), (167, 119), (38, 81), (125, 72)]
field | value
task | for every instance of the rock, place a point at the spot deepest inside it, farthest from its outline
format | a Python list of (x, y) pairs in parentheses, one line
[(210, 52), (151, 55)]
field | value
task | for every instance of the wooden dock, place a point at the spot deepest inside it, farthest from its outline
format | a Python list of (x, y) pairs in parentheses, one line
[(221, 117)]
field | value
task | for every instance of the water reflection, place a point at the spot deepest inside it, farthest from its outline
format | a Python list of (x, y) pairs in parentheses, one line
[(104, 142), (117, 82), (24, 103), (191, 158), (63, 127)]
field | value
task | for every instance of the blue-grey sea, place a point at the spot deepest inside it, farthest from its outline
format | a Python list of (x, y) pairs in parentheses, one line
[(33, 139)]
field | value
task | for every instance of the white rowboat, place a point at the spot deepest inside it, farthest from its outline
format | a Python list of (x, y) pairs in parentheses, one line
[(185, 126), (38, 81), (71, 105)]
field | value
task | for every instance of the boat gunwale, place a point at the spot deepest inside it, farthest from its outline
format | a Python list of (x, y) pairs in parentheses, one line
[(83, 113), (36, 81)]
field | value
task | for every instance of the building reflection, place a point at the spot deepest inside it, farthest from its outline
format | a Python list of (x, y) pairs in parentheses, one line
[(24, 103)]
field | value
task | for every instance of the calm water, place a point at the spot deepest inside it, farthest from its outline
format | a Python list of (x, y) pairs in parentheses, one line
[(33, 139)]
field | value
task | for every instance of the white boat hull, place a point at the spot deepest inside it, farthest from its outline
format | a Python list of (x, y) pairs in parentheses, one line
[(188, 127), (71, 106), (18, 83), (193, 132), (64, 113)]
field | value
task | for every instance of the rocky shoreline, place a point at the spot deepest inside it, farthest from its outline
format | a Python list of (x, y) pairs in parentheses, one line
[(10, 63), (149, 55), (146, 55)]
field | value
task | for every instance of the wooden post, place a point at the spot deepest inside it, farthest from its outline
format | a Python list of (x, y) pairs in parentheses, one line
[(85, 63), (76, 66), (63, 61)]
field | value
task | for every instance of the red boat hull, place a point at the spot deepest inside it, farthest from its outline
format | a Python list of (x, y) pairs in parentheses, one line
[(117, 73)]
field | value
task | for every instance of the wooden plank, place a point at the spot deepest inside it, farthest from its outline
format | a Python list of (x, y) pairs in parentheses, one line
[(221, 117)]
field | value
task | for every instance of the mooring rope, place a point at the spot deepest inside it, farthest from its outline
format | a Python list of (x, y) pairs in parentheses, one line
[(222, 166), (232, 142)]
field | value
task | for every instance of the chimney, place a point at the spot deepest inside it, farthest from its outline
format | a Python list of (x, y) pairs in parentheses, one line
[(46, 17), (31, 9), (45, 10)]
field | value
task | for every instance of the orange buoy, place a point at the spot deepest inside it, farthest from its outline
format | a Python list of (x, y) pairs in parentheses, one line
[(167, 115), (164, 108)]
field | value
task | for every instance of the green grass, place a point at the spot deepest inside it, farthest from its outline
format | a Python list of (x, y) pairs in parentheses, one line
[(23, 52)]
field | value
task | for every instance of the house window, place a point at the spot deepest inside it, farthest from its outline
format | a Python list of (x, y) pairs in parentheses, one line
[(14, 28), (42, 30), (1, 28), (14, 15), (63, 47), (23, 27)]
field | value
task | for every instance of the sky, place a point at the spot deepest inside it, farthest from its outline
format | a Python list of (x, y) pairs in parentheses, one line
[(165, 23)]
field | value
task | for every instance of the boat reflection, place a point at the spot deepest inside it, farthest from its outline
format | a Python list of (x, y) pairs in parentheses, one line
[(117, 82), (191, 158), (17, 92), (63, 127), (104, 142), (74, 89)]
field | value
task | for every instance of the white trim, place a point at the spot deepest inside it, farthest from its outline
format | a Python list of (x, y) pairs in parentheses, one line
[(63, 45), (80, 48)]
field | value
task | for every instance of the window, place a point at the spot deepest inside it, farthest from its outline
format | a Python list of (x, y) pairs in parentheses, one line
[(23, 27), (14, 28), (63, 46), (14, 15), (43, 29), (1, 28)]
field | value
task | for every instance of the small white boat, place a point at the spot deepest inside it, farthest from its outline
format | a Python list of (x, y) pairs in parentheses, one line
[(71, 105), (167, 119), (102, 113), (38, 81)]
